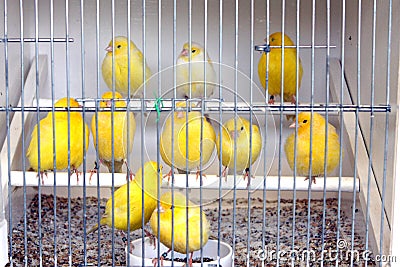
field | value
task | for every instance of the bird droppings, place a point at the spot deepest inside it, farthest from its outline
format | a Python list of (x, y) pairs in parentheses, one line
[(70, 239)]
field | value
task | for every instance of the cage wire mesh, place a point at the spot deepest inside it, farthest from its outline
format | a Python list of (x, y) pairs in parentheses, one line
[(208, 132)]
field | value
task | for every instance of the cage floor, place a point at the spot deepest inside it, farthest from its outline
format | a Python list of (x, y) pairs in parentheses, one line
[(315, 231)]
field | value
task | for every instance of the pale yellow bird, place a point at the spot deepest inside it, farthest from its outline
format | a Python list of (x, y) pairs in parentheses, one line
[(151, 174), (121, 138), (192, 124), (318, 146), (199, 81), (291, 61), (198, 234), (120, 50), (242, 133), (76, 137)]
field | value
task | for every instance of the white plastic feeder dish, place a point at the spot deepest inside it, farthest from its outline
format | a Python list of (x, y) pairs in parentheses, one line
[(210, 250)]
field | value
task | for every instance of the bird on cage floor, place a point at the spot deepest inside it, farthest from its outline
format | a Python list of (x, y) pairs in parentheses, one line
[(103, 128), (151, 174), (77, 127), (243, 140), (187, 129), (198, 235), (195, 61), (291, 63), (137, 67), (318, 146)]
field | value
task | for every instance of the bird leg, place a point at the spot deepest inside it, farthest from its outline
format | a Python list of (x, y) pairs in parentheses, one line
[(247, 174), (131, 175), (169, 175), (312, 178), (75, 170), (41, 176), (151, 237), (271, 100), (163, 256), (198, 174), (190, 260), (293, 99), (96, 167), (224, 173)]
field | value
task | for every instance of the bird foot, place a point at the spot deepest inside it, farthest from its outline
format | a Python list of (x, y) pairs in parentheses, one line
[(190, 260), (271, 100), (293, 100), (198, 174), (41, 176), (75, 170), (162, 257), (131, 175), (224, 173), (312, 178), (96, 167), (168, 175), (248, 176), (151, 237)]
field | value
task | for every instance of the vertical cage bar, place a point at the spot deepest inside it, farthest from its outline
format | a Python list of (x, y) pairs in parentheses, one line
[(371, 132), (385, 158), (96, 114), (311, 129), (220, 43), (341, 125)]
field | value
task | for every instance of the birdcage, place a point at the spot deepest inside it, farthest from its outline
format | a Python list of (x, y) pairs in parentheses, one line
[(344, 70)]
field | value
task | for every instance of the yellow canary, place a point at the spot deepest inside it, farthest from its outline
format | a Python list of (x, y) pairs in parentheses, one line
[(318, 146), (121, 121), (151, 174), (198, 61), (291, 60), (77, 149), (120, 51), (242, 133), (192, 124), (198, 234)]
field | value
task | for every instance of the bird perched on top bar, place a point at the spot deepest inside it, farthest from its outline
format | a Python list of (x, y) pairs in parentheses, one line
[(137, 67), (194, 60), (318, 146), (291, 62), (76, 132)]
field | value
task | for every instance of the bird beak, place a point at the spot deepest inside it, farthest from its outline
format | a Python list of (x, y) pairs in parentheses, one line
[(293, 125), (108, 103), (109, 48), (232, 134), (184, 53)]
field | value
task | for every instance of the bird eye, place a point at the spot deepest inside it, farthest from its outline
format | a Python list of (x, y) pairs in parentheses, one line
[(272, 39), (194, 51), (118, 46), (305, 121), (241, 128)]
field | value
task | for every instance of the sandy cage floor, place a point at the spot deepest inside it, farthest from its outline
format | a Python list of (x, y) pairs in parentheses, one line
[(77, 246)]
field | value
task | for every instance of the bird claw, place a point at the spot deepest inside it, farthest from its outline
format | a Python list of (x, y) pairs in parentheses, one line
[(41, 176), (168, 175), (312, 178), (224, 174), (96, 167), (75, 170), (198, 174), (151, 237), (247, 174), (162, 257), (131, 175), (293, 100)]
